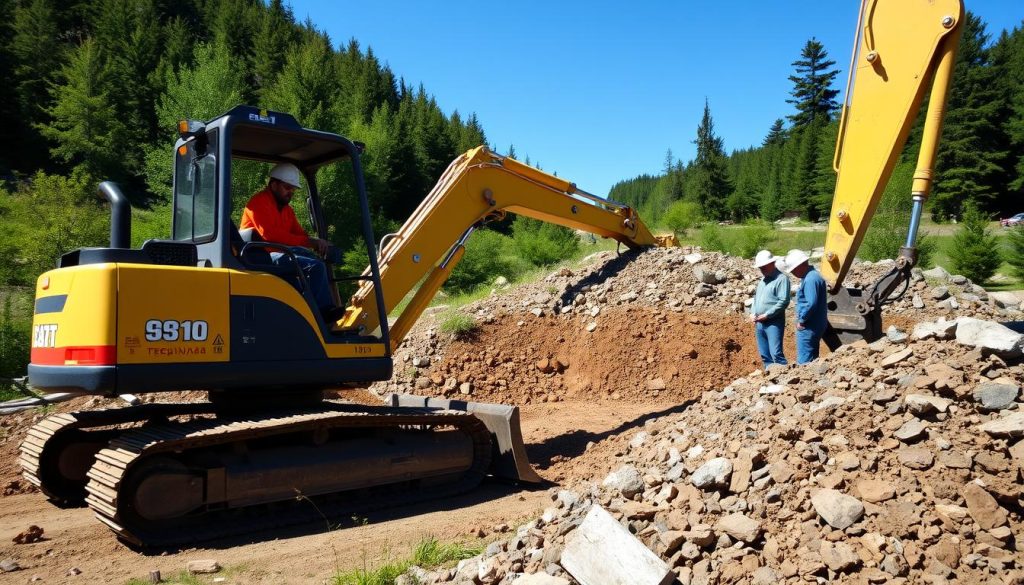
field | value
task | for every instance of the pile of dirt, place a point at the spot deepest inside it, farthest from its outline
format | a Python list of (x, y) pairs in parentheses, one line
[(636, 354), (658, 324), (889, 462)]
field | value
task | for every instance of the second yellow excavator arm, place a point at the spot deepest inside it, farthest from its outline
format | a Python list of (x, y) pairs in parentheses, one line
[(477, 187), (904, 50)]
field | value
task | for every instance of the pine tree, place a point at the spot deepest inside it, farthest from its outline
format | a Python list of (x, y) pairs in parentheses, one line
[(801, 194), (12, 132), (178, 46), (776, 134), (1015, 250), (85, 126), (823, 178), (307, 84), (36, 55), (209, 88), (1008, 55), (972, 158), (37, 52), (127, 35), (812, 94), (233, 25), (975, 251), (274, 36), (710, 184), (674, 185)]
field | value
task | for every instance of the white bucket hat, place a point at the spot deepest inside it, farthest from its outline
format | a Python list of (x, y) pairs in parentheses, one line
[(763, 258), (795, 258)]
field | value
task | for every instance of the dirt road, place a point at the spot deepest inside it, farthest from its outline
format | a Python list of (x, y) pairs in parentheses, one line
[(557, 437)]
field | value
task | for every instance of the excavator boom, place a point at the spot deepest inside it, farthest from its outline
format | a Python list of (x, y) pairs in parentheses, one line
[(478, 187), (904, 50)]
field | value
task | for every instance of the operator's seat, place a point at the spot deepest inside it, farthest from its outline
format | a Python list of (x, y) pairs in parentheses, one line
[(256, 257)]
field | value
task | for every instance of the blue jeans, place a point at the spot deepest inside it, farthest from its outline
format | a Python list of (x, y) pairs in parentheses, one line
[(808, 342), (769, 341), (316, 274)]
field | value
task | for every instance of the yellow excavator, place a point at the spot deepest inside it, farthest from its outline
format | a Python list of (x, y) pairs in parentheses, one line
[(207, 310)]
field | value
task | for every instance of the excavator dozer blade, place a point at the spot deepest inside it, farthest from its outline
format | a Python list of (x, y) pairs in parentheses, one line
[(510, 460)]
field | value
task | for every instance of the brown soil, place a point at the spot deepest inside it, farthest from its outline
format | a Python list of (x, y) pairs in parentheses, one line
[(567, 419), (637, 354)]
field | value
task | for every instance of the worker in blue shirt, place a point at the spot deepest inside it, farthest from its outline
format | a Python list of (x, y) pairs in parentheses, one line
[(811, 306), (769, 309)]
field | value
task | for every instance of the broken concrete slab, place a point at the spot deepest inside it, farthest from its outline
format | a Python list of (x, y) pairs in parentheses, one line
[(603, 552), (989, 335)]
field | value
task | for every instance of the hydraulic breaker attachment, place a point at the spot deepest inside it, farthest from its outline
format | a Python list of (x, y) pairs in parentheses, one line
[(857, 314), (510, 460)]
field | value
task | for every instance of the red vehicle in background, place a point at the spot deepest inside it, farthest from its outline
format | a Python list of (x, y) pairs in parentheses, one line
[(1012, 220)]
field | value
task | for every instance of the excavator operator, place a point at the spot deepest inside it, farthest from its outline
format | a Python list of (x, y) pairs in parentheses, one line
[(269, 213)]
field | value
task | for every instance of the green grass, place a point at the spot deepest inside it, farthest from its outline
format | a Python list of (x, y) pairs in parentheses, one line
[(9, 393), (457, 323), (186, 578), (428, 554)]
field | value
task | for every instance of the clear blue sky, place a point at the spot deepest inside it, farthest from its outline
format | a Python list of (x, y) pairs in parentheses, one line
[(597, 91)]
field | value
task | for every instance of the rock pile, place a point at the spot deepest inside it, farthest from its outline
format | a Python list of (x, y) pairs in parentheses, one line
[(882, 463), (650, 287)]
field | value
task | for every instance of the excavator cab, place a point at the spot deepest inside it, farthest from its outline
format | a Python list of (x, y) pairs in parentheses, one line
[(205, 205), (204, 309)]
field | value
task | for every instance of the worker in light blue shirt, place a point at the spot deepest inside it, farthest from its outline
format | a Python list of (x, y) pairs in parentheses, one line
[(769, 309), (811, 306)]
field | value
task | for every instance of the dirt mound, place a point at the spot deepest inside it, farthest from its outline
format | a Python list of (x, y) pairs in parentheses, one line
[(636, 354)]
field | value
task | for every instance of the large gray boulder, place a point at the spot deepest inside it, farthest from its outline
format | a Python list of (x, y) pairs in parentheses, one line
[(989, 335), (626, 480)]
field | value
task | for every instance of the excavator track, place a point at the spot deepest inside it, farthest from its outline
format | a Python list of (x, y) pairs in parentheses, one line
[(144, 475), (58, 450)]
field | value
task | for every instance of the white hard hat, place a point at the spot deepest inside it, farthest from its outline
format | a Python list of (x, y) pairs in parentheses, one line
[(795, 258), (286, 173), (763, 258)]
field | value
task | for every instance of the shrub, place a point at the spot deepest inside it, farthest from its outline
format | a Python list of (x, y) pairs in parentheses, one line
[(1015, 250), (681, 216), (885, 236), (711, 237), (975, 250), (63, 214), (888, 233), (541, 243), (488, 255), (753, 237), (15, 331)]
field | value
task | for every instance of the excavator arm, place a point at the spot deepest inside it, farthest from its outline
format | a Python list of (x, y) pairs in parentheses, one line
[(478, 187), (904, 50)]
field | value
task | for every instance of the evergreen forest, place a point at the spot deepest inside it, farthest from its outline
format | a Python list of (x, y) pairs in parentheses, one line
[(980, 158)]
